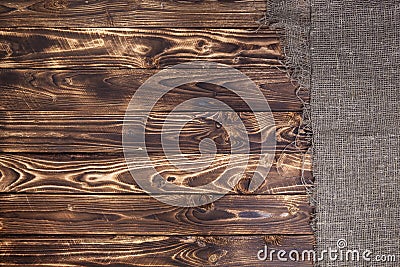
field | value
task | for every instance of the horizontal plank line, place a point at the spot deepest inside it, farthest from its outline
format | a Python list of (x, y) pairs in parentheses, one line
[(243, 67), (136, 48), (87, 90), (161, 250), (103, 173), (64, 236), (123, 13), (251, 28), (88, 153), (110, 194), (64, 214), (145, 194), (74, 132), (240, 67), (180, 111)]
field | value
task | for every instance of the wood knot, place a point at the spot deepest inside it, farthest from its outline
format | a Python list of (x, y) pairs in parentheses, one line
[(68, 80), (56, 5), (204, 47), (151, 63), (236, 60), (171, 179), (242, 187), (6, 48), (293, 209), (207, 207), (275, 240), (215, 257)]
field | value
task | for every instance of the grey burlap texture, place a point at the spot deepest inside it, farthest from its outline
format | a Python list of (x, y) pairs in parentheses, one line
[(355, 112), (354, 59)]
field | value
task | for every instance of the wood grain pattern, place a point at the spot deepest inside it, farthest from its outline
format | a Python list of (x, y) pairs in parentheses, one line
[(87, 90), (74, 132), (68, 69), (224, 251), (143, 215), (99, 173), (131, 13), (136, 48)]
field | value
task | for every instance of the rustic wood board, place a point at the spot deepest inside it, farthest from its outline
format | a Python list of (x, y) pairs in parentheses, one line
[(136, 48), (143, 215), (132, 13), (50, 131), (68, 69), (227, 251), (87, 90), (99, 173)]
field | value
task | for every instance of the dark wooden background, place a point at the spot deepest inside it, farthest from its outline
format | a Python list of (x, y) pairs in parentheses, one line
[(68, 69)]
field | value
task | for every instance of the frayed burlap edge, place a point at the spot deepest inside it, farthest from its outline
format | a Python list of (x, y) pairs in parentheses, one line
[(292, 18)]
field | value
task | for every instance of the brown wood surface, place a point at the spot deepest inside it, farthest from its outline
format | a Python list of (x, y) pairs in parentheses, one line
[(50, 131), (87, 90), (68, 69), (227, 251), (131, 13), (88, 173), (143, 215), (136, 48)]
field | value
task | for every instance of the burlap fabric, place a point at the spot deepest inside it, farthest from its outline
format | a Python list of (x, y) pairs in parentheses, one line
[(354, 51)]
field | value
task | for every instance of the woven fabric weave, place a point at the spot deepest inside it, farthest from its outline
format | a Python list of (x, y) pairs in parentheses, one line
[(352, 58), (355, 112)]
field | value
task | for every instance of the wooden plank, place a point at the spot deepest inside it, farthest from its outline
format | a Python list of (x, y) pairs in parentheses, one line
[(143, 215), (136, 48), (99, 173), (74, 132), (226, 251), (131, 13), (87, 90)]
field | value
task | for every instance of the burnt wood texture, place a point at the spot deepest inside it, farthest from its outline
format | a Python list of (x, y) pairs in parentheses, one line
[(130, 214), (125, 250), (108, 173), (68, 69), (132, 13), (49, 131), (136, 48), (86, 90)]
